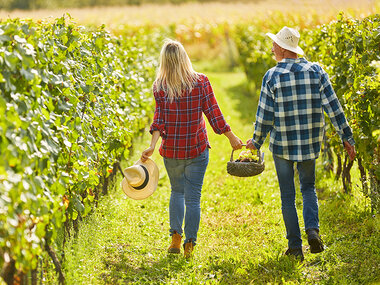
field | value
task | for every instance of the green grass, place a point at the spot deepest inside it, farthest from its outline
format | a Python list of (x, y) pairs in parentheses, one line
[(242, 236)]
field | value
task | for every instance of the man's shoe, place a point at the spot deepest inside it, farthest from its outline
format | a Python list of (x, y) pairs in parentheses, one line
[(189, 248), (315, 241), (296, 252), (175, 246)]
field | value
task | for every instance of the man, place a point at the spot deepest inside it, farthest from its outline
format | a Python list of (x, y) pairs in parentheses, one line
[(293, 96)]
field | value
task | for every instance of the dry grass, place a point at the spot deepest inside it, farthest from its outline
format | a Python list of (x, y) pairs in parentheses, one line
[(192, 13)]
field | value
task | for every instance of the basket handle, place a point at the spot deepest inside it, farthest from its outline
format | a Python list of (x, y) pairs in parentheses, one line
[(258, 154)]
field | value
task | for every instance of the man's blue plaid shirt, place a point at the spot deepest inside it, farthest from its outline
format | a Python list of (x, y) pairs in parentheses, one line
[(293, 96)]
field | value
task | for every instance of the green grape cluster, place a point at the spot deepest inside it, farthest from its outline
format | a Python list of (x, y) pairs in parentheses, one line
[(247, 156)]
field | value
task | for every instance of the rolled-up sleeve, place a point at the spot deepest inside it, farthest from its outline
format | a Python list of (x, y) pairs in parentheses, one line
[(158, 123), (212, 111)]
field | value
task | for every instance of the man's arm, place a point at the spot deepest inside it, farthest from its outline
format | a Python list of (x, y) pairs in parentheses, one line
[(264, 116), (334, 110)]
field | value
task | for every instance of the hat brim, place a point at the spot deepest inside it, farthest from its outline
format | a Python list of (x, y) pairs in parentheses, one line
[(297, 49), (149, 188)]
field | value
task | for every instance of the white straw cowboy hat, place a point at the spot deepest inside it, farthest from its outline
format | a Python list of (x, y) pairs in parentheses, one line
[(140, 180), (287, 38)]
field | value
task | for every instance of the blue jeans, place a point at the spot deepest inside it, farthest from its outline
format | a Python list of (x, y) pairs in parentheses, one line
[(285, 175), (186, 179)]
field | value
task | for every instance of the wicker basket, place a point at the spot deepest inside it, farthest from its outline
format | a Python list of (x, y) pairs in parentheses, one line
[(246, 169)]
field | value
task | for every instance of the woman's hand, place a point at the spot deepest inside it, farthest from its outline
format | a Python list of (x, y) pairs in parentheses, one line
[(250, 145), (147, 153), (236, 143)]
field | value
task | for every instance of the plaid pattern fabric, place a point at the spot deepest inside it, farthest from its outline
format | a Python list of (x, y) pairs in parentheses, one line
[(181, 123), (293, 96)]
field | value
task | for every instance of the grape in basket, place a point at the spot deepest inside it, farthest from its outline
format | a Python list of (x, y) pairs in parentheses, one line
[(247, 156)]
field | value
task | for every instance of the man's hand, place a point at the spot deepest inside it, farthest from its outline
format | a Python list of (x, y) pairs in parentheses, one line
[(350, 150), (146, 153), (250, 145)]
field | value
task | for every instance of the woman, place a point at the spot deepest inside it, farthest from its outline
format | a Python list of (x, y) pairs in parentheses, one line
[(182, 96)]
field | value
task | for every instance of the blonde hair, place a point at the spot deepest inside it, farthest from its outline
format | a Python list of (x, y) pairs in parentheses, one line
[(175, 73)]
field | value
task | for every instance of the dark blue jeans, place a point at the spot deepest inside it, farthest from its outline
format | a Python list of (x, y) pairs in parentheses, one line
[(186, 180), (285, 175)]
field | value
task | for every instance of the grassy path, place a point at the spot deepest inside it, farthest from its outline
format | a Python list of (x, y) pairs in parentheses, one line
[(242, 236)]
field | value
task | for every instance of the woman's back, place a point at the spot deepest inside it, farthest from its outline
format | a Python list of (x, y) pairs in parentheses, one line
[(181, 120)]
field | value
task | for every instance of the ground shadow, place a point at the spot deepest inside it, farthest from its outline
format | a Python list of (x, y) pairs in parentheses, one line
[(233, 270), (239, 271), (126, 271)]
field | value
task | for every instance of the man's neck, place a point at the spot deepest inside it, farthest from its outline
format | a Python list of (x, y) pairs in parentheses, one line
[(289, 54)]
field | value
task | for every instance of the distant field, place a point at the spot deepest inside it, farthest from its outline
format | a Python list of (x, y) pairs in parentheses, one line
[(205, 28), (192, 13)]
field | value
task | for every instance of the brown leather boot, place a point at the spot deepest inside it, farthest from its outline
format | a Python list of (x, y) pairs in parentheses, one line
[(175, 246), (189, 248), (315, 241)]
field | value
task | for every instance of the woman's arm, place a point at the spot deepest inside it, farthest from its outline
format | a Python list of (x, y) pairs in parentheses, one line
[(149, 151), (211, 109), (235, 142), (215, 117)]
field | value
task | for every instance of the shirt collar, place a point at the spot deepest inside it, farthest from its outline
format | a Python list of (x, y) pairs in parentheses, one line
[(293, 60)]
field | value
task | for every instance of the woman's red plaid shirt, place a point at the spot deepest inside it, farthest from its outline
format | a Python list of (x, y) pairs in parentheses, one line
[(181, 123)]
